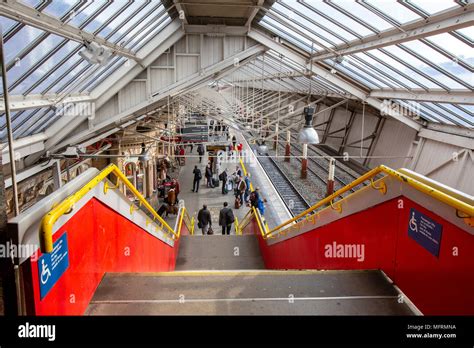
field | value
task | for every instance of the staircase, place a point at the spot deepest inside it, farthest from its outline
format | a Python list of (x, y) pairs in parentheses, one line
[(225, 275), (219, 253)]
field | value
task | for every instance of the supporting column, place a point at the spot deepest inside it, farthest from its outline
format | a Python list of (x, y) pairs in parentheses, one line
[(275, 138), (287, 146), (330, 184), (304, 162)]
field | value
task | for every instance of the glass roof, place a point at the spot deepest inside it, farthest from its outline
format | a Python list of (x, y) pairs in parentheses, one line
[(42, 63), (440, 62)]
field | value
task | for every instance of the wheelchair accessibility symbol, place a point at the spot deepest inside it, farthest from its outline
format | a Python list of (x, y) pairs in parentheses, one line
[(413, 223), (45, 272), (51, 266)]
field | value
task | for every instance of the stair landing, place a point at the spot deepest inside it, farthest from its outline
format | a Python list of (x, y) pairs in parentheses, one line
[(250, 292)]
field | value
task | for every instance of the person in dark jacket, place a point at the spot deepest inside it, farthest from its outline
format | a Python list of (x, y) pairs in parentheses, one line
[(226, 219), (200, 151), (223, 178), (197, 178), (234, 141), (209, 176), (204, 219)]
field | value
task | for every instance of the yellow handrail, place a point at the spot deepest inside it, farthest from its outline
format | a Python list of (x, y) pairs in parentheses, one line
[(459, 205), (181, 222), (46, 231), (236, 223), (455, 203), (189, 222)]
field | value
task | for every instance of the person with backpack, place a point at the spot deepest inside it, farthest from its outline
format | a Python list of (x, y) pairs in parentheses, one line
[(204, 220), (234, 141), (226, 219), (197, 178), (201, 152), (223, 178)]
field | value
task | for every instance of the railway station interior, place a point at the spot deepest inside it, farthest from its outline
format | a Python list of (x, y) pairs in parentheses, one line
[(330, 141)]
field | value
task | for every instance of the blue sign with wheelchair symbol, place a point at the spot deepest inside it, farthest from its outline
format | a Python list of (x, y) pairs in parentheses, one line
[(52, 266), (425, 231)]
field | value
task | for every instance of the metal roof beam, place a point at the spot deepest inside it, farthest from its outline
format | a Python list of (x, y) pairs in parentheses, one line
[(446, 21), (37, 101), (331, 78), (30, 16), (453, 97)]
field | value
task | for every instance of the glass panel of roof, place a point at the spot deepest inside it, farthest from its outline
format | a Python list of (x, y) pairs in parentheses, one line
[(31, 3), (73, 76), (34, 56), (468, 32), (340, 17), (363, 13), (25, 35), (6, 23), (142, 38), (423, 67), (305, 25), (104, 16), (298, 7), (407, 71), (45, 68), (85, 12), (52, 77), (282, 32), (396, 76), (433, 6), (454, 46), (440, 60), (353, 73), (142, 16), (395, 10), (58, 8), (120, 20)]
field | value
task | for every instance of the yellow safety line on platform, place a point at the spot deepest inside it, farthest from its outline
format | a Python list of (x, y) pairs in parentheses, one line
[(46, 231)]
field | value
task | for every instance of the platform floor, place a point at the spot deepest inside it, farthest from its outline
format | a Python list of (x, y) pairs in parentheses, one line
[(275, 210), (250, 292)]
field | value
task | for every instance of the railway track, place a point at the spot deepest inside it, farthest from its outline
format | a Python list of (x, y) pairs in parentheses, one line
[(290, 195)]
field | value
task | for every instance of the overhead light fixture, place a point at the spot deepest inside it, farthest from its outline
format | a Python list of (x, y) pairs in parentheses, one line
[(95, 53), (308, 134)]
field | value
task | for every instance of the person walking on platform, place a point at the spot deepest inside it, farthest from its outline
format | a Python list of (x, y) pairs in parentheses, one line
[(200, 151), (254, 197), (240, 190), (204, 219), (197, 178), (175, 185), (226, 219), (191, 145), (234, 141), (247, 188), (208, 176), (223, 178)]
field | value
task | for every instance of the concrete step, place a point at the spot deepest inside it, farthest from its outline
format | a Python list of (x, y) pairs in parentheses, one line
[(251, 292), (218, 252)]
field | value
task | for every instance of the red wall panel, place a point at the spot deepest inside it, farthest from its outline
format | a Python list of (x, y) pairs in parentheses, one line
[(441, 285), (99, 241)]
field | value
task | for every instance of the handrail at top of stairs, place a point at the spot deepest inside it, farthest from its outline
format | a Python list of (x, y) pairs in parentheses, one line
[(48, 221), (437, 194), (459, 205)]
